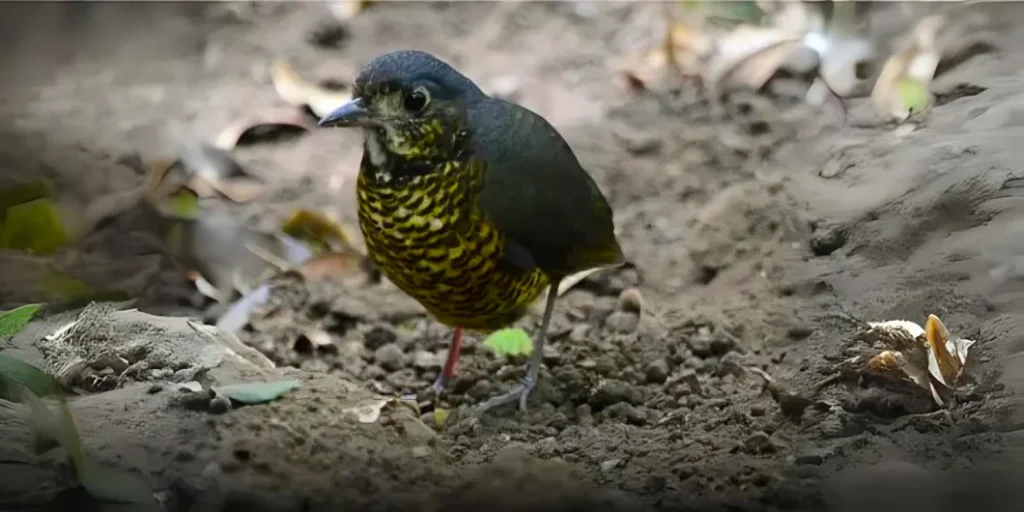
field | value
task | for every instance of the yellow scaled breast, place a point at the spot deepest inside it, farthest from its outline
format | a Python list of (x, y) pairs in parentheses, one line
[(427, 238)]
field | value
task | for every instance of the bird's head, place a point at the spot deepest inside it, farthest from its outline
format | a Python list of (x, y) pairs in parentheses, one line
[(410, 105)]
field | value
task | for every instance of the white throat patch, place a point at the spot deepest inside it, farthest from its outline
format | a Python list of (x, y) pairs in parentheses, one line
[(378, 155)]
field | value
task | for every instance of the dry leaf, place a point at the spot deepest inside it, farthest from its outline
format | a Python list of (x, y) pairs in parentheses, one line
[(347, 269), (681, 52), (914, 64), (743, 48), (296, 91), (345, 10), (269, 119), (368, 412)]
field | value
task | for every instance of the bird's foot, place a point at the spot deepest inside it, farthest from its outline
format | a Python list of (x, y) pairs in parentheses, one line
[(440, 386), (518, 394)]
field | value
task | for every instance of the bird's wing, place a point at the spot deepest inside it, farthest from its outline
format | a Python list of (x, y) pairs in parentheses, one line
[(536, 192)]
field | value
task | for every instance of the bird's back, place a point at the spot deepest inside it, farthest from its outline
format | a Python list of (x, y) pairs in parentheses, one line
[(537, 193)]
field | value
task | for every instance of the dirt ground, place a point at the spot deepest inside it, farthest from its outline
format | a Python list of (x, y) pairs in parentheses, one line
[(753, 240)]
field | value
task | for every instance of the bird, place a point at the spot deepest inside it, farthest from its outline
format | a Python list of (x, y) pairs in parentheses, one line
[(470, 204)]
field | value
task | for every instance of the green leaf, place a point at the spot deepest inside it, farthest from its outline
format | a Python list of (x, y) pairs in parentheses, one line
[(112, 485), (20, 193), (257, 392), (509, 342), (14, 321), (34, 226), (183, 205), (31, 378), (913, 94)]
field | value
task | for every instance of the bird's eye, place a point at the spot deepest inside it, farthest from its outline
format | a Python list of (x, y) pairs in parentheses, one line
[(416, 100)]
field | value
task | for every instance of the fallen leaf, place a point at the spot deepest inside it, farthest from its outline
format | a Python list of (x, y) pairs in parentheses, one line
[(944, 364), (36, 381), (316, 229), (14, 321), (20, 193), (262, 121), (345, 10), (902, 85), (36, 226), (296, 91), (369, 412), (736, 59), (116, 486), (346, 269), (257, 392), (238, 314), (512, 341)]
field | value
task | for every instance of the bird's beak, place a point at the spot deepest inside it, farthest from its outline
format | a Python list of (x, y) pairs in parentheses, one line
[(350, 114)]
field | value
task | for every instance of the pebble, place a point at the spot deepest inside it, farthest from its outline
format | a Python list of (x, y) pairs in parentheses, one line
[(615, 391), (548, 445), (609, 465), (425, 360), (656, 372), (220, 405), (389, 357), (758, 410), (700, 342), (480, 389), (628, 413), (758, 442), (810, 459), (551, 355), (622, 322), (580, 333), (378, 337), (689, 377)]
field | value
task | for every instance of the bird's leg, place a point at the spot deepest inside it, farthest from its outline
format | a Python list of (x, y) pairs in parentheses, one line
[(454, 351), (522, 392)]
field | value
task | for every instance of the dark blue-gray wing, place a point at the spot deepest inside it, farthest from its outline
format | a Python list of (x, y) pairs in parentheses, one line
[(537, 193)]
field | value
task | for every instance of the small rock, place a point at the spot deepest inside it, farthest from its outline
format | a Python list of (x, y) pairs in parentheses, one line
[(616, 391), (722, 345), (421, 451), (609, 465), (622, 322), (558, 421), (780, 442), (219, 405), (551, 356), (480, 389), (810, 459), (729, 365), (696, 363), (689, 377), (657, 371), (628, 413), (378, 337), (373, 372), (424, 360), (155, 388), (758, 442), (415, 429), (827, 239), (389, 357), (630, 301), (700, 342), (758, 410), (580, 333), (548, 446)]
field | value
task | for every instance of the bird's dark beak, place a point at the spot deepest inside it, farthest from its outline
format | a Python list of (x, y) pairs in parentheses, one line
[(350, 114)]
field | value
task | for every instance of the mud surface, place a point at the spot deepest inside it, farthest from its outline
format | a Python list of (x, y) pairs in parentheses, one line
[(753, 240)]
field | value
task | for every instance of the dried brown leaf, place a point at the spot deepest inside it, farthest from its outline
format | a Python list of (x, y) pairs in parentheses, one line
[(347, 269), (270, 119), (943, 366), (293, 89), (748, 56)]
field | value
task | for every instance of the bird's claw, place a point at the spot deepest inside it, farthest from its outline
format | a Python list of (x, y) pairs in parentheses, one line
[(519, 394)]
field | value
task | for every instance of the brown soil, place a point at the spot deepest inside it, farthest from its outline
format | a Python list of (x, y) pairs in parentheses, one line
[(753, 240)]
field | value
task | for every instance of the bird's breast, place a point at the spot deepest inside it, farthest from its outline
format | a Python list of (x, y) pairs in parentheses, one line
[(428, 238)]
